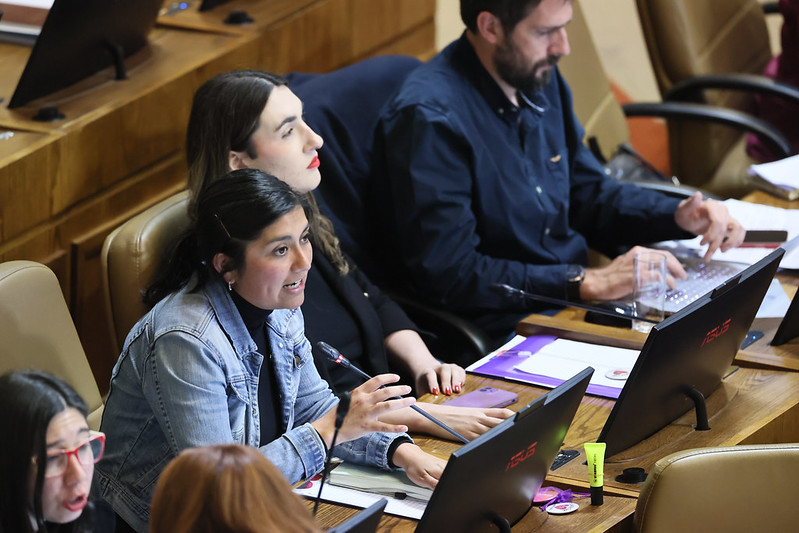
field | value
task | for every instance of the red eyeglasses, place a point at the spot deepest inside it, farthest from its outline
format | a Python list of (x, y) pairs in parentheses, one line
[(88, 452)]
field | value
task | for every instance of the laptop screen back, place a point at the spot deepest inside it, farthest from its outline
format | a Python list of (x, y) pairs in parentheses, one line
[(690, 350), (498, 474)]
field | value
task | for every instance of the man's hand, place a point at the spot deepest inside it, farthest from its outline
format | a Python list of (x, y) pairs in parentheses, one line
[(712, 221), (615, 280)]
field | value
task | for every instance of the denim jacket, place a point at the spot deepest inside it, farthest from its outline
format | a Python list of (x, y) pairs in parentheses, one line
[(188, 376)]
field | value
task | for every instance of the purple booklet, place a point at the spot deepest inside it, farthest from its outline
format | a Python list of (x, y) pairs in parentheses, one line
[(503, 365)]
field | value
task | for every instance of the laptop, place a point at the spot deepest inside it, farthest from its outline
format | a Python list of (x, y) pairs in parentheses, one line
[(365, 521), (491, 482), (702, 277), (686, 356)]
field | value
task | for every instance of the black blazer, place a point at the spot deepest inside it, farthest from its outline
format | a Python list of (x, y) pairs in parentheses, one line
[(370, 317)]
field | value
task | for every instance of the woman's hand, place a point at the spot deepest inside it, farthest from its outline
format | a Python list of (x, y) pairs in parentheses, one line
[(422, 468), (407, 348), (443, 377), (367, 403), (471, 422)]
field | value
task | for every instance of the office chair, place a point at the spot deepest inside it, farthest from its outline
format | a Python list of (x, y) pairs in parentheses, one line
[(608, 135), (732, 489), (343, 107), (130, 256), (37, 332), (697, 49)]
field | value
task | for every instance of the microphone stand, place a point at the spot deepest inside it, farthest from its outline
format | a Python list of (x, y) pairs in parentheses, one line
[(507, 290), (338, 358), (341, 411)]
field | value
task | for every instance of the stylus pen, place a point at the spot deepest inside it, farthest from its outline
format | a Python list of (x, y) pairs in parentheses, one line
[(338, 358)]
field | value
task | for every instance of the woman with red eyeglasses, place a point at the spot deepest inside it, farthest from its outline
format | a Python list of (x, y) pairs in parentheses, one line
[(47, 458)]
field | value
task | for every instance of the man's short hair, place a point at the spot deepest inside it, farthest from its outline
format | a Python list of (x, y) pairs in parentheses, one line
[(509, 12)]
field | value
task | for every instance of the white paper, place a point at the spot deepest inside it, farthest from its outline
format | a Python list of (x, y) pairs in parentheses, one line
[(751, 216), (776, 302), (563, 358), (784, 173), (408, 507)]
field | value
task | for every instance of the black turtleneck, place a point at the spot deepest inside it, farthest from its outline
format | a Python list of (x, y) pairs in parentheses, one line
[(271, 419)]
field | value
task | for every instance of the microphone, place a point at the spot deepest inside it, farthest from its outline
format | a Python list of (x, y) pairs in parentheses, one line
[(342, 409), (616, 312), (338, 358)]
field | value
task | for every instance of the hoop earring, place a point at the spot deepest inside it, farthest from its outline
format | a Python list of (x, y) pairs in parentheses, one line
[(230, 286)]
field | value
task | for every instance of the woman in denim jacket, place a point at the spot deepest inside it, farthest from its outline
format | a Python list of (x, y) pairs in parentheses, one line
[(222, 357)]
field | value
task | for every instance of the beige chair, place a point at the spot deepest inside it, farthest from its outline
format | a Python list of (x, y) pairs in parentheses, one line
[(731, 489), (605, 122), (37, 332), (696, 48), (131, 254)]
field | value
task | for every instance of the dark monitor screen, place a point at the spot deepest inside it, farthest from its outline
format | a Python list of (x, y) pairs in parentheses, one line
[(207, 5), (789, 325), (689, 351), (365, 521), (80, 38), (497, 475)]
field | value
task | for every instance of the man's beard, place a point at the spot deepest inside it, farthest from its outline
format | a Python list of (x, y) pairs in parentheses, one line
[(511, 68)]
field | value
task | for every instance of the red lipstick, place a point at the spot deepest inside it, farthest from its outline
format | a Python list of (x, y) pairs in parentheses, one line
[(314, 162)]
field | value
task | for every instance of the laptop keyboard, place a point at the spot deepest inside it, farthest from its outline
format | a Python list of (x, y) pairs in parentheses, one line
[(703, 277)]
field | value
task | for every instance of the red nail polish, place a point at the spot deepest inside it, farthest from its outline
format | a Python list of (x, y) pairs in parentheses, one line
[(435, 391), (448, 391), (457, 388)]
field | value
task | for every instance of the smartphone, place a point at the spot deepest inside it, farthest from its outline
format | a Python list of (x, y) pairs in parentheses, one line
[(764, 238), (484, 397)]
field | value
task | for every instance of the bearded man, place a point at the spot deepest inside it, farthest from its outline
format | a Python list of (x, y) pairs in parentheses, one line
[(484, 178)]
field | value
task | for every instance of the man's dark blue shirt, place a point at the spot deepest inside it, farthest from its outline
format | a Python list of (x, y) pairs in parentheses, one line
[(478, 191)]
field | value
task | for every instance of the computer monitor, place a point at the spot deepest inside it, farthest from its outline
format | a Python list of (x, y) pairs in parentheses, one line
[(207, 5), (789, 325), (491, 482), (365, 521), (686, 356), (80, 38)]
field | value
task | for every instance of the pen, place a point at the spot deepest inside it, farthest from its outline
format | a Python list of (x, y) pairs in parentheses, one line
[(343, 361)]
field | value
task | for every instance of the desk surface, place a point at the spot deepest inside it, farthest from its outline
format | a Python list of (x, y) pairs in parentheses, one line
[(570, 324), (615, 516), (751, 406)]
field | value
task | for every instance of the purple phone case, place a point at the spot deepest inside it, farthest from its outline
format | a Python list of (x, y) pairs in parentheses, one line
[(484, 397)]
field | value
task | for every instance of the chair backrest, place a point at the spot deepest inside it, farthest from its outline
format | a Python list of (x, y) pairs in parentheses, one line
[(730, 489), (343, 107), (37, 332), (688, 38), (594, 102), (131, 254)]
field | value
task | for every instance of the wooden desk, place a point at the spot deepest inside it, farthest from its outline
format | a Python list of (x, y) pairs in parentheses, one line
[(614, 516), (570, 324), (752, 406)]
